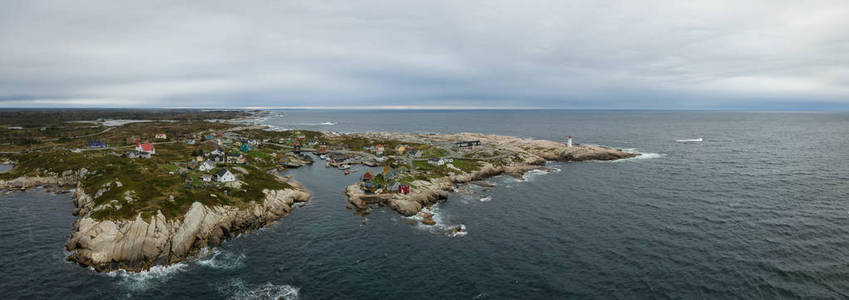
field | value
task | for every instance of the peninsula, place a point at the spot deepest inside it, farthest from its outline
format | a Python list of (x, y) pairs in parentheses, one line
[(155, 187)]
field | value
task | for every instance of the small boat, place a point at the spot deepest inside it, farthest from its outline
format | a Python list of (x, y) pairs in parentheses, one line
[(322, 157), (344, 167), (347, 172)]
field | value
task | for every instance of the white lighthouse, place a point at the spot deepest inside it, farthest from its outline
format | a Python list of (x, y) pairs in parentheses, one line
[(569, 142)]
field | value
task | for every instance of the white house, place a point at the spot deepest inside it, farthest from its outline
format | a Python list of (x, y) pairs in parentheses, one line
[(217, 152), (224, 176), (206, 166), (206, 178), (161, 136)]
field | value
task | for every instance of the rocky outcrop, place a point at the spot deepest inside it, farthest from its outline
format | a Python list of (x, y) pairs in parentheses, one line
[(140, 243), (67, 178), (498, 155), (585, 153)]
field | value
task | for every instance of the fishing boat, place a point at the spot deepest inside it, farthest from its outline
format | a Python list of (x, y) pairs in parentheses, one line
[(347, 172)]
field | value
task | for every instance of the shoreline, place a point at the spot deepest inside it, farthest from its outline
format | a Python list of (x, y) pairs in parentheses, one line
[(531, 156), (138, 243)]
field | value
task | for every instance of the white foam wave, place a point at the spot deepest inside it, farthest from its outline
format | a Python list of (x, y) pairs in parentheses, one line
[(328, 123), (220, 259), (237, 289), (689, 140), (486, 199), (642, 155), (441, 226), (140, 281), (649, 155), (536, 172)]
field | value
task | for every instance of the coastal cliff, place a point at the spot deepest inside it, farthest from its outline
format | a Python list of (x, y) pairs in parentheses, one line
[(140, 243)]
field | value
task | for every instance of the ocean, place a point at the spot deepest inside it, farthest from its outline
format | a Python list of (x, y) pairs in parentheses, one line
[(758, 209)]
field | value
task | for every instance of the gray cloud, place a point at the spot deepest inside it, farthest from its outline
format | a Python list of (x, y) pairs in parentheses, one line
[(589, 54)]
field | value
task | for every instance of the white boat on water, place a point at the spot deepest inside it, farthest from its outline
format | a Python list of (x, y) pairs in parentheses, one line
[(344, 167), (689, 140)]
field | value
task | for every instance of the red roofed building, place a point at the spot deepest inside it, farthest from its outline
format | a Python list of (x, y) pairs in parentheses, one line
[(145, 147), (368, 176)]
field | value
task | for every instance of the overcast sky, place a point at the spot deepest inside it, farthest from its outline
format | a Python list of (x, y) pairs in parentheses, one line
[(559, 54)]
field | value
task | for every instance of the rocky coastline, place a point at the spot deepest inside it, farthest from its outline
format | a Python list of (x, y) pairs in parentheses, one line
[(141, 243), (524, 155)]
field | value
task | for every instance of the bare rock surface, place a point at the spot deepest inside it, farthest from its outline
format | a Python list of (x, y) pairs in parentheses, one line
[(141, 243), (498, 155)]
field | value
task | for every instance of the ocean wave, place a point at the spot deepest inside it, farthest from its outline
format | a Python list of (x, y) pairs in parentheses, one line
[(224, 260), (689, 140), (328, 123), (642, 155), (140, 281), (441, 226), (649, 155), (237, 289), (529, 175), (486, 199)]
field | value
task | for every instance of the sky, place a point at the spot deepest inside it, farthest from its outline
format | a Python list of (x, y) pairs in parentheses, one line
[(739, 55)]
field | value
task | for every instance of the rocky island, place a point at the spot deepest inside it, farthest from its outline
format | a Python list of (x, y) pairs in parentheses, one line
[(158, 187)]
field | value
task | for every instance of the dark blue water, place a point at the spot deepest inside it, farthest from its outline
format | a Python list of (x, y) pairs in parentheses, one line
[(759, 209)]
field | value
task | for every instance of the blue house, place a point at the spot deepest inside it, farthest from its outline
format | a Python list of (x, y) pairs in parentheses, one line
[(246, 147), (96, 144)]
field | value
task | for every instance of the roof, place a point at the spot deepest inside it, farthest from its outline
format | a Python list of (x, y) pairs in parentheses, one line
[(221, 172), (146, 147), (368, 175)]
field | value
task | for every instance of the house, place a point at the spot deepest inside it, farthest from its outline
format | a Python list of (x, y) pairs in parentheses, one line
[(246, 147), (467, 145), (322, 149), (404, 189), (241, 160), (206, 166), (415, 153), (209, 137), (400, 149), (160, 136), (190, 141), (224, 176), (297, 147), (145, 147), (379, 149), (368, 176), (217, 152), (217, 158), (96, 144), (436, 161), (131, 154), (206, 178)]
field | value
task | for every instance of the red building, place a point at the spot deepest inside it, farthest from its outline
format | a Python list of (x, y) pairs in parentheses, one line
[(368, 176)]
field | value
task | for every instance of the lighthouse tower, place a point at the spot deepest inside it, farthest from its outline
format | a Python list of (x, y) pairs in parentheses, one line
[(569, 142)]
